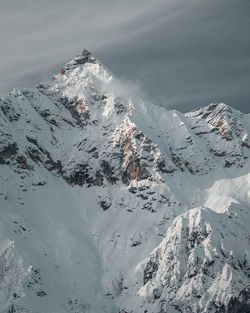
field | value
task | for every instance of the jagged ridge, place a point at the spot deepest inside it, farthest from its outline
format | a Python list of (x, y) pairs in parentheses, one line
[(124, 169)]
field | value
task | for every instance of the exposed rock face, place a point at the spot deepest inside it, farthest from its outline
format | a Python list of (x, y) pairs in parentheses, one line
[(110, 204), (8, 152), (216, 122), (134, 171), (199, 254), (81, 59)]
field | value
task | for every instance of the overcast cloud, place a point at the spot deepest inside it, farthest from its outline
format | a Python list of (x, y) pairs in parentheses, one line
[(182, 54)]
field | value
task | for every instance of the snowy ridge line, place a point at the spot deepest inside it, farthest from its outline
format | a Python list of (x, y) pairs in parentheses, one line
[(111, 204)]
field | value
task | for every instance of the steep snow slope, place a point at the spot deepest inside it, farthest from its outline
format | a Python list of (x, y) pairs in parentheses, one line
[(200, 266), (111, 204)]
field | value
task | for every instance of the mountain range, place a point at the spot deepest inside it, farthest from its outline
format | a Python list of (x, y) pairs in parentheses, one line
[(111, 204)]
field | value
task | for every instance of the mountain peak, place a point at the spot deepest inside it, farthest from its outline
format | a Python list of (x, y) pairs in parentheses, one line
[(80, 76), (80, 59), (98, 185)]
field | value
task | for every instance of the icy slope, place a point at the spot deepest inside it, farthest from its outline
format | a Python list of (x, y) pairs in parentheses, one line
[(93, 179), (200, 266)]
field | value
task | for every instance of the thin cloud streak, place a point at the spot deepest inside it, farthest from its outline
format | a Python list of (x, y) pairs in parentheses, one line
[(180, 54)]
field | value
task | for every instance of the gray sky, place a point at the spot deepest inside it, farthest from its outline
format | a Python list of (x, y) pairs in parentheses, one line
[(180, 53)]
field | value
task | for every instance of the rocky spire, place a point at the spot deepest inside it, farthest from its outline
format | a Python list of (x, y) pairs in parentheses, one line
[(80, 59)]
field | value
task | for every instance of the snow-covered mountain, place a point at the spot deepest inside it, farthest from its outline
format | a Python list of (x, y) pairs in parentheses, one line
[(111, 204)]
